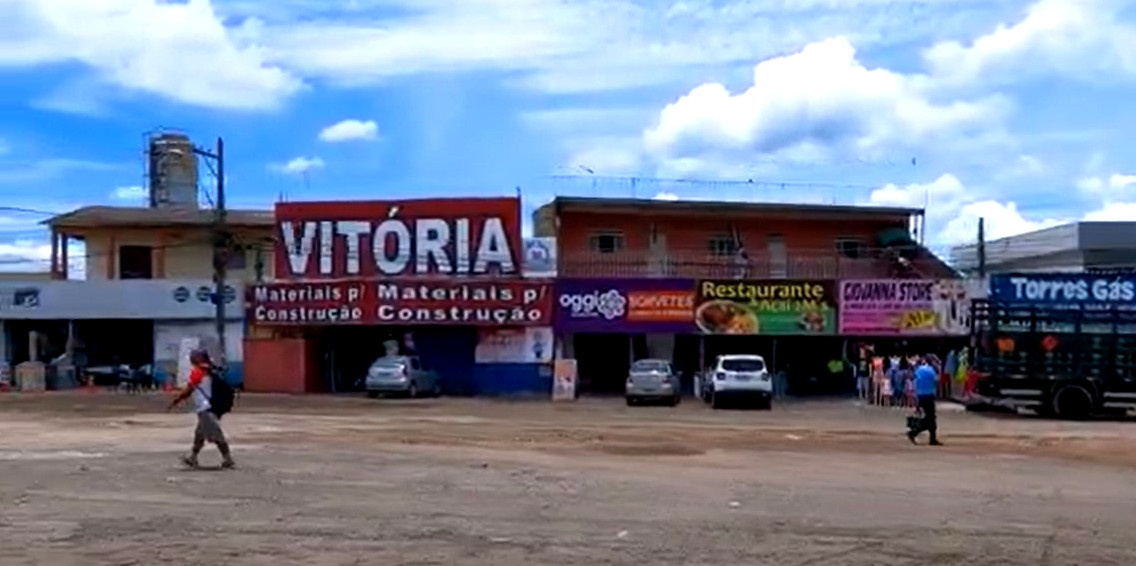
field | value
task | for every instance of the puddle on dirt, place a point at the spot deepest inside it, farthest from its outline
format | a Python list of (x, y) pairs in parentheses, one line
[(53, 455), (650, 450)]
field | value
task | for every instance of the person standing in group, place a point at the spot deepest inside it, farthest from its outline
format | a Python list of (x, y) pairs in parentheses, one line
[(878, 376), (863, 369), (201, 388), (926, 391)]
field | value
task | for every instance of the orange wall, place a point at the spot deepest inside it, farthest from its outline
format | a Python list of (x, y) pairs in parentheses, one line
[(282, 365), (692, 234)]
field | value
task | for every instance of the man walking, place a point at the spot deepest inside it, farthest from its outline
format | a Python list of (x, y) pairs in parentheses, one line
[(200, 387), (926, 390)]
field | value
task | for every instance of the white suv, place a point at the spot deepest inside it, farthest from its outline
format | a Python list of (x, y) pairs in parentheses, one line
[(737, 376)]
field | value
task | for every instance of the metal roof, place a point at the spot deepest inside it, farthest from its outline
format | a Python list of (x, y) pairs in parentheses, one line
[(144, 217), (599, 204)]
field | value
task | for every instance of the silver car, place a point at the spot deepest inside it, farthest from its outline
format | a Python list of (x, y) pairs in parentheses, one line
[(653, 380), (401, 375)]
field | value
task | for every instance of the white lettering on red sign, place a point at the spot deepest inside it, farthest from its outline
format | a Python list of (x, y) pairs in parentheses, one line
[(399, 246)]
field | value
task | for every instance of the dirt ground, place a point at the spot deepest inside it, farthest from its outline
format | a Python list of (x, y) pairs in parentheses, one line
[(92, 479)]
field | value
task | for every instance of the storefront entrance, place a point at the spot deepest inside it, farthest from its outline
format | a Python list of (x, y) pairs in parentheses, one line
[(346, 352), (803, 359)]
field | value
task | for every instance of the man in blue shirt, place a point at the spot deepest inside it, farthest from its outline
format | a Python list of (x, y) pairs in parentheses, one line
[(926, 389)]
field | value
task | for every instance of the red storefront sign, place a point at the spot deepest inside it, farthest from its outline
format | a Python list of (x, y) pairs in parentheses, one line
[(402, 302), (334, 240)]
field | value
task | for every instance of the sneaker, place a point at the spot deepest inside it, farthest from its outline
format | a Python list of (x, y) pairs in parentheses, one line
[(189, 460), (936, 443), (228, 464)]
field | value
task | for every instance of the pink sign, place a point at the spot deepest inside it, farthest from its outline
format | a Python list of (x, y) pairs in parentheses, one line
[(919, 307)]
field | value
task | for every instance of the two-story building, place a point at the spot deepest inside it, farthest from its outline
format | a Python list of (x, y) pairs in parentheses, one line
[(688, 280), (435, 287), (148, 286)]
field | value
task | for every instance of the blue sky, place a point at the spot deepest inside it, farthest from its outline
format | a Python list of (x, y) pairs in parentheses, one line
[(1015, 111)]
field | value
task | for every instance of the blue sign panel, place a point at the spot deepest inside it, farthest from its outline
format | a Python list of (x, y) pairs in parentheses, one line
[(1065, 289)]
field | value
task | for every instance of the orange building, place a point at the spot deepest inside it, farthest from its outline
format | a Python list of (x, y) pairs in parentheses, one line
[(598, 237), (785, 258)]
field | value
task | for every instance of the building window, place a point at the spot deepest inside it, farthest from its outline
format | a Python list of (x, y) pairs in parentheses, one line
[(135, 262), (236, 259), (606, 242), (778, 256), (723, 246), (851, 248)]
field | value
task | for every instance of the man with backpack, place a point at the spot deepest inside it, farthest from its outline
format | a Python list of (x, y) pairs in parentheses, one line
[(212, 398)]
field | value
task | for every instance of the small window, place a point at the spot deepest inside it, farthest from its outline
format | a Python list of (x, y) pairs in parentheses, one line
[(135, 262), (743, 364), (723, 245), (236, 259), (606, 243), (778, 256), (851, 248)]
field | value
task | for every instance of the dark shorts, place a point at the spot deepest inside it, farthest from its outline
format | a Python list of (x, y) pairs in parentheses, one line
[(209, 427)]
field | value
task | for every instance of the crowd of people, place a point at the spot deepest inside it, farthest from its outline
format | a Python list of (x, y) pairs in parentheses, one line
[(888, 380), (909, 381)]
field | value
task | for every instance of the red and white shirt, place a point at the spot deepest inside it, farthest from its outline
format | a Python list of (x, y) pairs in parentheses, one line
[(202, 383)]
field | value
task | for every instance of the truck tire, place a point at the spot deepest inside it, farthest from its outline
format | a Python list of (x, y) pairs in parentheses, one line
[(1073, 402)]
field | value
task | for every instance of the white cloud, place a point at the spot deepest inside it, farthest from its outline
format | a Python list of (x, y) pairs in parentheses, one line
[(34, 255), (25, 255), (1002, 219), (808, 102), (580, 46), (131, 193), (181, 51), (941, 199), (1106, 186), (1114, 212), (665, 196), (299, 165), (953, 210), (946, 190), (1079, 38), (350, 130)]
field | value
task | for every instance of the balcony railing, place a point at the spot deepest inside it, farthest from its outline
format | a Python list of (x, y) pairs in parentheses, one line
[(695, 265)]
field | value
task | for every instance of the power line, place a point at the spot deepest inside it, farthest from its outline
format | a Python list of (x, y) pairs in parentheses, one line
[(712, 183)]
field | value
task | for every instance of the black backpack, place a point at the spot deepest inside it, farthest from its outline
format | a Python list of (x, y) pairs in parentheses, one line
[(221, 400)]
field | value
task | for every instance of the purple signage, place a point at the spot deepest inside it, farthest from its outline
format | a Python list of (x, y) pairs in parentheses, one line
[(625, 305)]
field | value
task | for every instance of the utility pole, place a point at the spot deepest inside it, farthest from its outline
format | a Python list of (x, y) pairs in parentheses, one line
[(221, 243), (220, 252), (981, 249)]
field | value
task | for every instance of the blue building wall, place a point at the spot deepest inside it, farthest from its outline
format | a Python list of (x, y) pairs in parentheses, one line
[(450, 352)]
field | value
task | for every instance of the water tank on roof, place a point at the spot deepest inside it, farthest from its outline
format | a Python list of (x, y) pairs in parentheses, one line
[(173, 174)]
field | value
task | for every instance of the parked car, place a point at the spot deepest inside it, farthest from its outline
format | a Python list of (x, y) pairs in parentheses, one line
[(111, 375), (653, 380), (401, 375), (737, 376)]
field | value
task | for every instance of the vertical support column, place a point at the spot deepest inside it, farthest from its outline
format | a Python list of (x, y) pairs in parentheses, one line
[(111, 257), (54, 254), (64, 264), (158, 255)]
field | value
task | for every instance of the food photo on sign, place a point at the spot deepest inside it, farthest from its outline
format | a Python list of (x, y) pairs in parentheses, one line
[(765, 307)]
